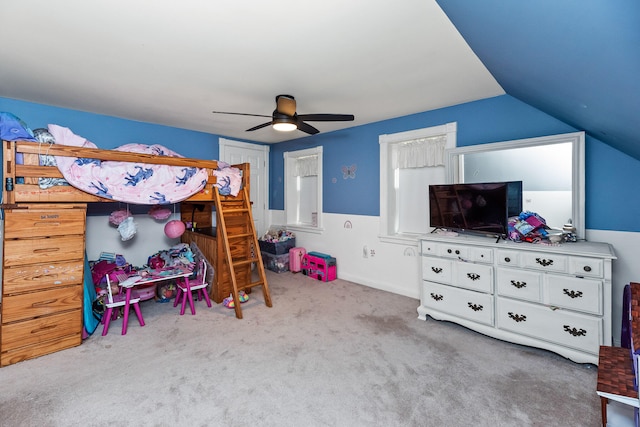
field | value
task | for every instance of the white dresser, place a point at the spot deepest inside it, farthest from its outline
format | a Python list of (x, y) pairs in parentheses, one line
[(553, 297)]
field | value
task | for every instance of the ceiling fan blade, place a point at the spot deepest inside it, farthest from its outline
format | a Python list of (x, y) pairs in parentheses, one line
[(259, 127), (286, 104), (305, 127), (240, 114), (326, 117)]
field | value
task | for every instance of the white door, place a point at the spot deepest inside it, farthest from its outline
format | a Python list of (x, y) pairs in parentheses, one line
[(257, 156)]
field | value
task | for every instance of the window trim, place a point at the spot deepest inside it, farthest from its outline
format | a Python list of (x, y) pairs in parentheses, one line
[(387, 206), (289, 158)]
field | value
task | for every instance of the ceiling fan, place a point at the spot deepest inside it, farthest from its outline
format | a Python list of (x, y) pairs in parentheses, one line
[(285, 118)]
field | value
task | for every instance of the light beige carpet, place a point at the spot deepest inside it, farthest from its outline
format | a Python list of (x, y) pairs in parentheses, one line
[(325, 354)]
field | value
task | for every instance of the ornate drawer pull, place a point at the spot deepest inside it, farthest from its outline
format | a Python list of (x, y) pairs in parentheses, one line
[(575, 332), (436, 270), (544, 262), (436, 297), (473, 276), (587, 268), (475, 307), (572, 294), (518, 317), (519, 284), (507, 259)]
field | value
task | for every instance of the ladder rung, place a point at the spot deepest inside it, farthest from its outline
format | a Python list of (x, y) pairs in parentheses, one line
[(253, 284), (240, 236), (245, 261), (228, 211)]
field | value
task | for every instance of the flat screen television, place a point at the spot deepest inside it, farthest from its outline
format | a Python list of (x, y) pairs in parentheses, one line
[(479, 207)]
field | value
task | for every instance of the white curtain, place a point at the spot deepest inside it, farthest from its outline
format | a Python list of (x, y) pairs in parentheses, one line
[(306, 166), (420, 153)]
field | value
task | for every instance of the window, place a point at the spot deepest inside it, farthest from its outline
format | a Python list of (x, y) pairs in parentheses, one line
[(303, 189), (409, 162)]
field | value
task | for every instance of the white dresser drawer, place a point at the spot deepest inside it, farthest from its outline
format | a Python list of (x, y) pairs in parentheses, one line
[(453, 251), (544, 261), (472, 276), (437, 269), (470, 305), (574, 293), (429, 248), (587, 267), (521, 284), (578, 331)]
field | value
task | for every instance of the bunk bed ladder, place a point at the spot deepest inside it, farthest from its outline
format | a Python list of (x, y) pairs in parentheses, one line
[(240, 242)]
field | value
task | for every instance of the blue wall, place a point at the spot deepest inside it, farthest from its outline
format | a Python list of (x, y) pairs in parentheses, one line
[(612, 201), (611, 195), (110, 132)]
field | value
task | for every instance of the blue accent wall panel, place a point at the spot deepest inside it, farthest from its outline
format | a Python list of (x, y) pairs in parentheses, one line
[(612, 188), (110, 132), (611, 177)]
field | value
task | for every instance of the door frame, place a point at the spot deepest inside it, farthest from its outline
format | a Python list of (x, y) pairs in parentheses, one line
[(223, 143)]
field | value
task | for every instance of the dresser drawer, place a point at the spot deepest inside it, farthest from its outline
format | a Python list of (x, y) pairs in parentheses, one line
[(465, 253), (33, 331), (21, 223), (33, 304), (587, 267), (436, 269), (471, 305), (10, 357), (43, 250), (521, 284), (42, 276), (544, 261), (581, 332), (574, 293), (508, 258), (472, 276)]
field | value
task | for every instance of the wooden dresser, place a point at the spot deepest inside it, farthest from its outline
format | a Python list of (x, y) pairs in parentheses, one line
[(42, 281)]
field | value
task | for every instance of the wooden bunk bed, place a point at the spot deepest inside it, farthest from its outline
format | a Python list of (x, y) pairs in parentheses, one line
[(44, 242)]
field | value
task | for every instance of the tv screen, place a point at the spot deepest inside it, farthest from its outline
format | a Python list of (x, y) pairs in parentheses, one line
[(477, 207)]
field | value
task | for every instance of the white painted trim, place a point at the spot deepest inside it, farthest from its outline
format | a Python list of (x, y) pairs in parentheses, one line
[(386, 141), (288, 209)]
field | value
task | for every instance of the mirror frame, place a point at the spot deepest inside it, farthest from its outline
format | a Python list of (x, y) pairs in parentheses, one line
[(577, 139)]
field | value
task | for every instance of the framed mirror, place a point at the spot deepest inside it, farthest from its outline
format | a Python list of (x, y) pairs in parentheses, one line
[(551, 169)]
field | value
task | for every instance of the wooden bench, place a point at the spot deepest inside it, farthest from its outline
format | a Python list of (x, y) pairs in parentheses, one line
[(618, 366)]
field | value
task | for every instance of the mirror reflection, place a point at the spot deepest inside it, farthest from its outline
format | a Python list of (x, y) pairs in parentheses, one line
[(550, 168)]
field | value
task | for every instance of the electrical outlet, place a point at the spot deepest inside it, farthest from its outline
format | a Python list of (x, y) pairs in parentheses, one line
[(372, 253)]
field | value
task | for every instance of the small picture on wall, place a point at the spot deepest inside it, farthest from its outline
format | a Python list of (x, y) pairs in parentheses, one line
[(349, 172)]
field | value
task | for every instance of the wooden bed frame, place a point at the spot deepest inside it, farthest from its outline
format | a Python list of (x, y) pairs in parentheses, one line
[(44, 241), (30, 192)]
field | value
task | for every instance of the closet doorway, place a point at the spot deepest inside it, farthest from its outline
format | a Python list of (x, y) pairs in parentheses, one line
[(257, 156)]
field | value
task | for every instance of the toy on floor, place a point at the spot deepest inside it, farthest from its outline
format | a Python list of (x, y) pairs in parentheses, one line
[(229, 303), (166, 292)]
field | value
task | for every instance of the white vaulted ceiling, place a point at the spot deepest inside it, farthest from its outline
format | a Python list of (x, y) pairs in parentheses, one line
[(173, 63)]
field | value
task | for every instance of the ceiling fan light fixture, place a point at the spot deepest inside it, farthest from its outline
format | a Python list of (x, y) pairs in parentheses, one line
[(284, 124)]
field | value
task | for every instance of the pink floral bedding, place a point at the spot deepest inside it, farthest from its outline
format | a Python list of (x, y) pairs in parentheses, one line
[(136, 183)]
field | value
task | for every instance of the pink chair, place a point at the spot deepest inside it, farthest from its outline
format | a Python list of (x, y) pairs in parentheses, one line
[(186, 287), (120, 300)]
